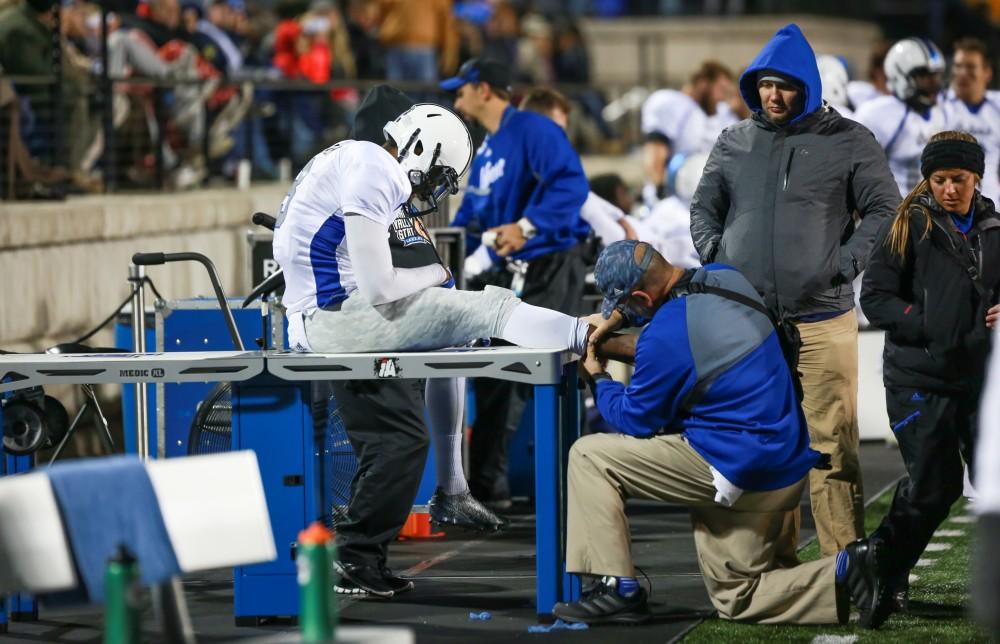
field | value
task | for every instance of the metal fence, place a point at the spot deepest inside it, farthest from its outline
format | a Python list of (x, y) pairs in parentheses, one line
[(84, 134)]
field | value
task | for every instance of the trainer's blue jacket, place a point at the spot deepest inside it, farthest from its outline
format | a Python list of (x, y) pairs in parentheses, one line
[(527, 168), (712, 369)]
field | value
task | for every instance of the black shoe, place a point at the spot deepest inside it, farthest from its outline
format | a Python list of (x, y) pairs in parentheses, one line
[(361, 580), (397, 583), (865, 581), (464, 511), (603, 605)]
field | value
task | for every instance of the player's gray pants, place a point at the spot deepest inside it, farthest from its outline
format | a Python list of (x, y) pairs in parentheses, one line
[(434, 318)]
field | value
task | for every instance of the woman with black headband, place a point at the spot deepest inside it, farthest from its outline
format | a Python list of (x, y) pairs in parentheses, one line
[(932, 285)]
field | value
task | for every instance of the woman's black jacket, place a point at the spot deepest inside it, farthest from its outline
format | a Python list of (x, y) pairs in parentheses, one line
[(932, 303)]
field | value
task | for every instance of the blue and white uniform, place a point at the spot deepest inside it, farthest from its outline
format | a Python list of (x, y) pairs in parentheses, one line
[(903, 132), (352, 176), (360, 272)]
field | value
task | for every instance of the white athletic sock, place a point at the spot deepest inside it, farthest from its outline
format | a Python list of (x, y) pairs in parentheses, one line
[(539, 328), (445, 399)]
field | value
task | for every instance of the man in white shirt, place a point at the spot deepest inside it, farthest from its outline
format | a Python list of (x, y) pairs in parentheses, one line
[(684, 122), (976, 108)]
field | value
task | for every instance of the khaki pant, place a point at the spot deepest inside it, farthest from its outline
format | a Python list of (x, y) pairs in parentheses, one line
[(828, 363), (747, 553)]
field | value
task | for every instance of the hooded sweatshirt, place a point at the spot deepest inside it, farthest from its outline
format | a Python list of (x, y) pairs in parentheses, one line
[(776, 201), (789, 55)]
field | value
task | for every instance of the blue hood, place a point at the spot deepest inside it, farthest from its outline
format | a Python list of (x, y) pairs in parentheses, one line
[(789, 54)]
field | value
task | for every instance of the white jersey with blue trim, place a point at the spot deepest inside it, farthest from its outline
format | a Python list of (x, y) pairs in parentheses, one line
[(860, 92), (350, 177), (903, 133), (983, 122)]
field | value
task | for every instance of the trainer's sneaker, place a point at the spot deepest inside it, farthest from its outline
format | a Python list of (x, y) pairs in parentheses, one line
[(866, 583), (397, 583), (464, 511), (603, 605), (361, 580)]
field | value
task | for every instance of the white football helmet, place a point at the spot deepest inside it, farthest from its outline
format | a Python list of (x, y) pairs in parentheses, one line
[(906, 57), (434, 148), (833, 75)]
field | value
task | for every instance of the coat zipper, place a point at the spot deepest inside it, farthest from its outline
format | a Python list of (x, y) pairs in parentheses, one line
[(788, 169)]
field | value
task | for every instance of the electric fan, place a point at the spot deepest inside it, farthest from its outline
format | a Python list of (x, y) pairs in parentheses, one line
[(211, 432)]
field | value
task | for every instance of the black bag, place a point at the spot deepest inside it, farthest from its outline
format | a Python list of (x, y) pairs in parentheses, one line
[(788, 334)]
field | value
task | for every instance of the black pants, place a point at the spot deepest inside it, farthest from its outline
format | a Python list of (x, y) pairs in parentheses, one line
[(384, 420), (936, 433), (554, 281)]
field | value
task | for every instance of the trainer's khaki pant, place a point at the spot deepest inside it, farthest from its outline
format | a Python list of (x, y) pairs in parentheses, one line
[(747, 553), (828, 363)]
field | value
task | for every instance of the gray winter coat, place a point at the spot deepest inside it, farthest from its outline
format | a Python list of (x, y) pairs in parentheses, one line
[(778, 202)]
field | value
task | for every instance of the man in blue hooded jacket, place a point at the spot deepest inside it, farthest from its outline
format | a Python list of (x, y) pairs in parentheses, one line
[(779, 200)]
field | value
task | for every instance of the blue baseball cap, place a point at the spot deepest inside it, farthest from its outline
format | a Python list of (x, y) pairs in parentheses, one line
[(479, 70), (617, 272)]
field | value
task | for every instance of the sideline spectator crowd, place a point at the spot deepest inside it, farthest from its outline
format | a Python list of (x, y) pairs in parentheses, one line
[(196, 83)]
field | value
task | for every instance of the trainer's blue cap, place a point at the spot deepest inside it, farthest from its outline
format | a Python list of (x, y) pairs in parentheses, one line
[(479, 70), (617, 272)]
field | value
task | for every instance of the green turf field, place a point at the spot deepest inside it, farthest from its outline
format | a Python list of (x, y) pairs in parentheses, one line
[(938, 601)]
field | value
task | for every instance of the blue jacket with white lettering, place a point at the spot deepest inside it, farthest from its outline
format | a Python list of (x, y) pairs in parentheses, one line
[(527, 168), (712, 369)]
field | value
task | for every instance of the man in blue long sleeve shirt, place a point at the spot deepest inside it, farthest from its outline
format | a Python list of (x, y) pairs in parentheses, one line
[(710, 420), (526, 188)]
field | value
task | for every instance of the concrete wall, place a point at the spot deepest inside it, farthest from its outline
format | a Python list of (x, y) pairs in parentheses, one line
[(63, 265), (665, 51)]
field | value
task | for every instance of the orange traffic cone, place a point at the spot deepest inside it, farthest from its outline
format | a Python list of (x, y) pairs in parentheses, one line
[(418, 526)]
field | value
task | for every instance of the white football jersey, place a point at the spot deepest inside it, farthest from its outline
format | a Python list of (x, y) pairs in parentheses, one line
[(667, 228), (678, 117), (860, 92), (903, 133), (844, 111), (982, 122), (351, 176)]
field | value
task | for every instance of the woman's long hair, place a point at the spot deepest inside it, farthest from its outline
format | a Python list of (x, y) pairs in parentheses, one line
[(899, 235)]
